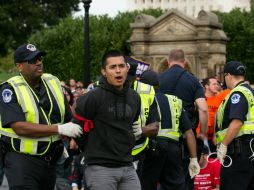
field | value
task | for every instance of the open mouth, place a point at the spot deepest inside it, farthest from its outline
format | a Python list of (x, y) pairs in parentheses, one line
[(119, 78)]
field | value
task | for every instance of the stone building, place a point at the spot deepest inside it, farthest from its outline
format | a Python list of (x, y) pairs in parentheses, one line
[(202, 39), (190, 7)]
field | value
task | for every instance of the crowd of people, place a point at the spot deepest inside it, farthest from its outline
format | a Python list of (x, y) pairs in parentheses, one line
[(154, 131), (209, 175)]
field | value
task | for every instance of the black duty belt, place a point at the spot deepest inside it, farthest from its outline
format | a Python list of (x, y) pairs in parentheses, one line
[(241, 146), (52, 155)]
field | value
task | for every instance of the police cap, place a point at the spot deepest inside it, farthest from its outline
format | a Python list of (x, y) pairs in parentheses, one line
[(150, 77), (27, 52), (234, 68)]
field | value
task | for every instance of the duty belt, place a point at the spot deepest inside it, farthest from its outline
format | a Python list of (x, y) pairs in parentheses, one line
[(240, 146)]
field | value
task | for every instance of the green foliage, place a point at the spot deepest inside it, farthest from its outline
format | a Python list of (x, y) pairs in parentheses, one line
[(6, 62), (19, 19), (5, 75), (239, 28), (63, 45), (64, 42)]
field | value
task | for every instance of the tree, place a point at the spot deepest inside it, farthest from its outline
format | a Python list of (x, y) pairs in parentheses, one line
[(64, 42), (238, 25), (19, 19)]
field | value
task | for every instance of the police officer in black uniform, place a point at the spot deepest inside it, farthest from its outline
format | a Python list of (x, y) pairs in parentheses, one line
[(149, 117), (32, 108), (235, 131), (179, 82), (166, 167)]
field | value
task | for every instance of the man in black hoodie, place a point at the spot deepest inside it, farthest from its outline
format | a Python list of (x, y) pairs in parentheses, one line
[(107, 114)]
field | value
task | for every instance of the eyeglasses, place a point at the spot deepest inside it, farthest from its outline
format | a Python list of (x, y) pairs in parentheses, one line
[(34, 60)]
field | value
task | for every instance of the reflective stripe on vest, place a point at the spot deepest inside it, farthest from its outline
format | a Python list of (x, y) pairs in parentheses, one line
[(27, 98), (56, 89), (175, 106), (146, 93), (248, 125)]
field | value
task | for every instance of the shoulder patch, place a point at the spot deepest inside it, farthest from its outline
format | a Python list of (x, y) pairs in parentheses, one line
[(7, 95), (235, 98)]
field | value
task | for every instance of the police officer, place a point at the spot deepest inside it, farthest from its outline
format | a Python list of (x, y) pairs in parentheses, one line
[(235, 130), (149, 116), (33, 110), (166, 167), (179, 82), (148, 119)]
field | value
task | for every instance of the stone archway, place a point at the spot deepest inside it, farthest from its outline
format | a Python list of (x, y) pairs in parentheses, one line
[(202, 39)]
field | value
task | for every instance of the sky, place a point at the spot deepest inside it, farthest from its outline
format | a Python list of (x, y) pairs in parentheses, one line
[(110, 7)]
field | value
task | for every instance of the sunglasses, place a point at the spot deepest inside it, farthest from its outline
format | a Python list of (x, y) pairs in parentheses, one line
[(34, 60)]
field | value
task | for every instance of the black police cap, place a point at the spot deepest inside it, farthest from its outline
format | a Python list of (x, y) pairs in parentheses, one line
[(150, 77), (27, 52), (234, 68)]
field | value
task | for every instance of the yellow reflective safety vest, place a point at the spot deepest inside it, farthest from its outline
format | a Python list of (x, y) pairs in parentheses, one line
[(29, 103), (169, 106), (146, 93), (248, 125)]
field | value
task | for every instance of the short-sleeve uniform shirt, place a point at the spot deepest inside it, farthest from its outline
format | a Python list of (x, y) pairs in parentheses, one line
[(179, 82), (236, 108), (11, 111)]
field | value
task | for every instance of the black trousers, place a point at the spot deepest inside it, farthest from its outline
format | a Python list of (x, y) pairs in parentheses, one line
[(140, 158), (28, 172), (240, 175), (165, 168)]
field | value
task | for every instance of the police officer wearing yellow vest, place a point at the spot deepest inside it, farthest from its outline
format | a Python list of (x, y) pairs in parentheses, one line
[(148, 122), (235, 130), (33, 109), (167, 167)]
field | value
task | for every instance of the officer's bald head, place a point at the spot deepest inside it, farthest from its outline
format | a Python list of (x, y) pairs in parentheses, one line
[(176, 55)]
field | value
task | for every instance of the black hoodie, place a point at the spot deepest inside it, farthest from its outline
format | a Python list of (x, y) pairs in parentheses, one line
[(112, 112)]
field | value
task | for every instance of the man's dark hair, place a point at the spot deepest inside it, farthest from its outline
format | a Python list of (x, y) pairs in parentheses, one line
[(176, 55), (110, 53), (206, 81)]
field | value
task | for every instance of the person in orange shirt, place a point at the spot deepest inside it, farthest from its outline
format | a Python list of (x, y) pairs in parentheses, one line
[(211, 88), (213, 100), (222, 95)]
